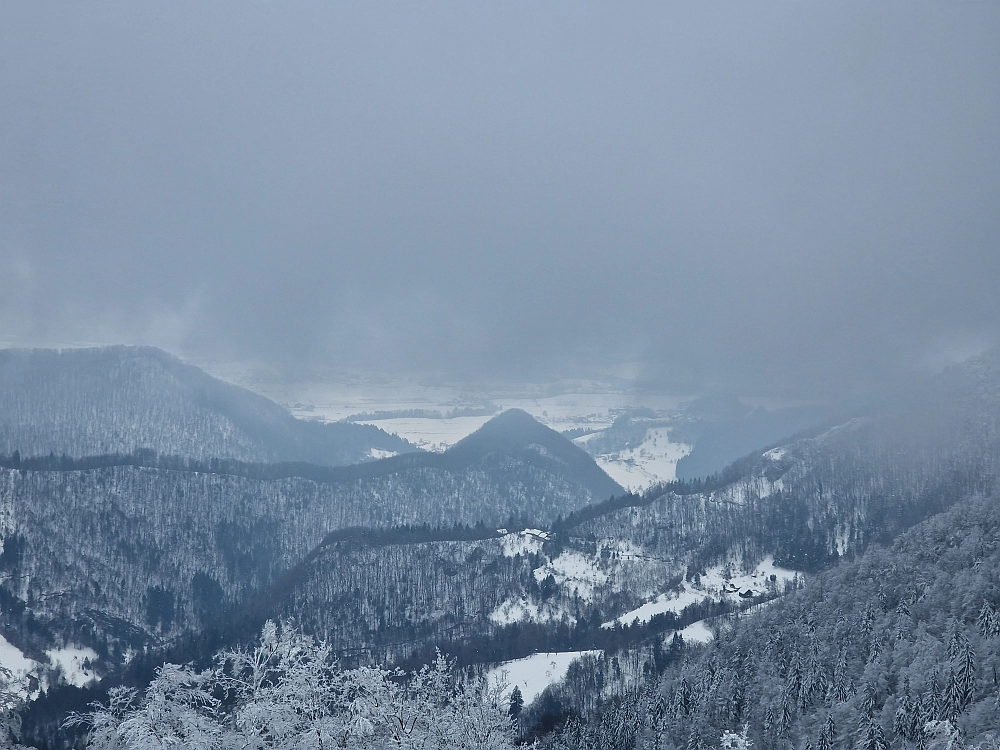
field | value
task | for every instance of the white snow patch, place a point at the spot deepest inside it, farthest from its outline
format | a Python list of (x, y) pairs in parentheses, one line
[(523, 542), (663, 603), (769, 488), (20, 667), (12, 658), (738, 493), (713, 585), (696, 632), (654, 460), (534, 673), (775, 454), (73, 660), (572, 570), (75, 663), (518, 610), (378, 453), (843, 534)]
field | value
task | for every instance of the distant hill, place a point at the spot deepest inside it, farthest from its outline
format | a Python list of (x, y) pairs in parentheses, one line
[(85, 402), (517, 435), (733, 435)]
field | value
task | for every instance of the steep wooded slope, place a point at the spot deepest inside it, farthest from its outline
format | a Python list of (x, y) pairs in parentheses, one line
[(865, 656), (816, 499)]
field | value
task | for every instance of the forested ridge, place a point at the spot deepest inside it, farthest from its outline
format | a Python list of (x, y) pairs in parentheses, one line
[(119, 399), (153, 533)]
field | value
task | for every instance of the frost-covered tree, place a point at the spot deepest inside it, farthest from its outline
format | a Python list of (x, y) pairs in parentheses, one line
[(12, 692), (178, 710), (283, 690), (733, 741), (286, 693)]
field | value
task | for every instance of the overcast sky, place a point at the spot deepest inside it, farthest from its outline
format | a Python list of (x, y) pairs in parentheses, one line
[(783, 197)]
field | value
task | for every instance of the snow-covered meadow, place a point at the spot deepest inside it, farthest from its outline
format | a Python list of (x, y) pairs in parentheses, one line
[(72, 662), (654, 460), (532, 674), (718, 583)]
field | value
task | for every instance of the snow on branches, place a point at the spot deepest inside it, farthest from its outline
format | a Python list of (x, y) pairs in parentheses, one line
[(287, 693)]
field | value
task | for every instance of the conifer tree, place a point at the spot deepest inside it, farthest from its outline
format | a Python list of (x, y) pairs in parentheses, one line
[(871, 735), (841, 689), (516, 703), (904, 710), (986, 622), (874, 649), (785, 716), (868, 700), (966, 674), (919, 715), (933, 701), (768, 720), (955, 642), (827, 734), (952, 705)]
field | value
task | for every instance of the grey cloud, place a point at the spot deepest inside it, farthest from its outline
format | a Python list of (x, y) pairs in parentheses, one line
[(772, 197)]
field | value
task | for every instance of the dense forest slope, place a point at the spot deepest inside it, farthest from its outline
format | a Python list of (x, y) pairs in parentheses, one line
[(124, 555), (865, 656), (85, 402)]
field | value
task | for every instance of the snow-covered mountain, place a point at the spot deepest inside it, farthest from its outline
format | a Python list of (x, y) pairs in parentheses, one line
[(125, 557), (86, 402)]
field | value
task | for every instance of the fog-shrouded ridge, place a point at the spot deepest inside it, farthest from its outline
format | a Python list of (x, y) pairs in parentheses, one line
[(794, 199), (118, 400)]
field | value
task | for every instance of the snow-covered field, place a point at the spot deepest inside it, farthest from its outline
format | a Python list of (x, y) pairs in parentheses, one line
[(637, 469), (696, 632), (13, 659), (715, 584), (534, 673), (73, 661), (574, 572), (523, 542), (430, 434), (518, 610)]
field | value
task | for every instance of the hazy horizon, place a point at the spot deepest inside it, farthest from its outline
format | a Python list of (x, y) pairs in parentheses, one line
[(779, 199)]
